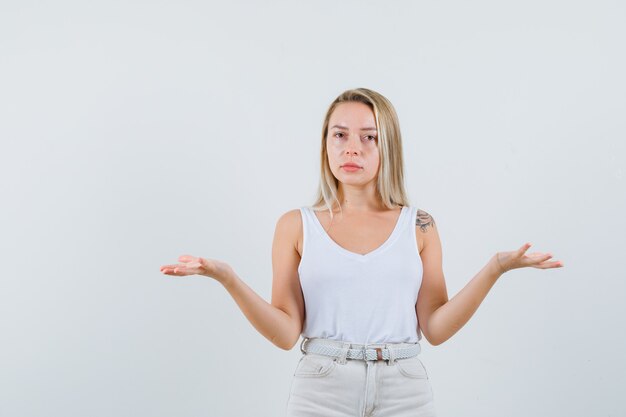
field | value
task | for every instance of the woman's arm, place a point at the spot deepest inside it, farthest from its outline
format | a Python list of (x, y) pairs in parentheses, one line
[(273, 323), (440, 318), (281, 321)]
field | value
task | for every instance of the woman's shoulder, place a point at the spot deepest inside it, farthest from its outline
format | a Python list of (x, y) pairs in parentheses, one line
[(423, 219), (291, 216), (289, 225), (424, 223)]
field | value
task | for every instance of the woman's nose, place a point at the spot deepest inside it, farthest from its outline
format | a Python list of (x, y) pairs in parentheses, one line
[(353, 145)]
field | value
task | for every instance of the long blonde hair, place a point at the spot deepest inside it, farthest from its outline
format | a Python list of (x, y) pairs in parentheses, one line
[(390, 181)]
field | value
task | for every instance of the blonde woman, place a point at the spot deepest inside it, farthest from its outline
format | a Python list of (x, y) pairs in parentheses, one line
[(359, 276)]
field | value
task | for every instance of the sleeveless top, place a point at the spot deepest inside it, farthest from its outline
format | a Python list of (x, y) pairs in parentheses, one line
[(361, 298)]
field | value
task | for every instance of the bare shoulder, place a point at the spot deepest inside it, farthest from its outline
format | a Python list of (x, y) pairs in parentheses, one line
[(424, 220), (425, 227), (291, 217), (289, 225)]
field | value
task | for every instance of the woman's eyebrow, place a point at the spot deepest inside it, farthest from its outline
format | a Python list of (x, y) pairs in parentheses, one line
[(345, 128)]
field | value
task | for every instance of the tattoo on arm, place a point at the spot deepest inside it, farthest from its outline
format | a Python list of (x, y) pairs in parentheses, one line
[(423, 220)]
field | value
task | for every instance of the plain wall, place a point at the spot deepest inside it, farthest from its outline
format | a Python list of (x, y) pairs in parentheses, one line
[(134, 132)]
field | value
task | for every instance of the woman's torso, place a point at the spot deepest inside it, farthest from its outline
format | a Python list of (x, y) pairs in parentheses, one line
[(360, 275)]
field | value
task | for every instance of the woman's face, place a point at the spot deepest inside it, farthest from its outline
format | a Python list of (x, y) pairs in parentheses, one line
[(352, 137)]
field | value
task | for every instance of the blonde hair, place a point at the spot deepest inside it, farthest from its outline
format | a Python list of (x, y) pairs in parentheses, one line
[(390, 181)]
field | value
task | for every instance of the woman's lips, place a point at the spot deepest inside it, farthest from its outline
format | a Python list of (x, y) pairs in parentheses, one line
[(350, 168)]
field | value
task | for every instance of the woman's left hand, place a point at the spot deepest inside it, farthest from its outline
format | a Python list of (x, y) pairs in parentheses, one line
[(518, 259)]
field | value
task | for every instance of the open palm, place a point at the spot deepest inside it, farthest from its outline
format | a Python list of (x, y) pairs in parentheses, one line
[(191, 265), (519, 259)]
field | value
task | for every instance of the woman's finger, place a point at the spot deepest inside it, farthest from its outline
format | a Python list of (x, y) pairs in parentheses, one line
[(538, 259), (546, 265), (178, 269), (524, 248), (170, 271), (189, 268), (175, 270), (543, 258)]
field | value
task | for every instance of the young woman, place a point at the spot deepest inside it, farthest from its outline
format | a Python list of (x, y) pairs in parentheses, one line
[(359, 276)]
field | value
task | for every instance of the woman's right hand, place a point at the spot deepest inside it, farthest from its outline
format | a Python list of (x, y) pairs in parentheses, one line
[(191, 265), (518, 259)]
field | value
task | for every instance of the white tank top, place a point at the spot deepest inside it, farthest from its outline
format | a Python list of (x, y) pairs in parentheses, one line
[(361, 298)]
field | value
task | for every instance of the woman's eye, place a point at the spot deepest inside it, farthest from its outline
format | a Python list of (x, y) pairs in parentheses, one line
[(371, 137)]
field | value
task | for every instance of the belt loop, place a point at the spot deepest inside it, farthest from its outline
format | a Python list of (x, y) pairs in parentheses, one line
[(341, 359), (392, 356), (302, 344)]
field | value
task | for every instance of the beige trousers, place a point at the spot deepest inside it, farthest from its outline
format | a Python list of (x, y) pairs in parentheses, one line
[(332, 387)]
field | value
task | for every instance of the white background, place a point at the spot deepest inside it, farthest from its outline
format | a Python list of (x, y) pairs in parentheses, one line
[(134, 132)]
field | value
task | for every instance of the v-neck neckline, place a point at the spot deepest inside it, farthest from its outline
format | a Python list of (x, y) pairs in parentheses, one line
[(355, 255)]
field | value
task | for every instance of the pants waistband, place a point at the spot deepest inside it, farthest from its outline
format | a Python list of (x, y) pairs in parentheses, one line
[(367, 352)]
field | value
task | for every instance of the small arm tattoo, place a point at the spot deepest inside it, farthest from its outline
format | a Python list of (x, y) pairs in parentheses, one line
[(423, 220)]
